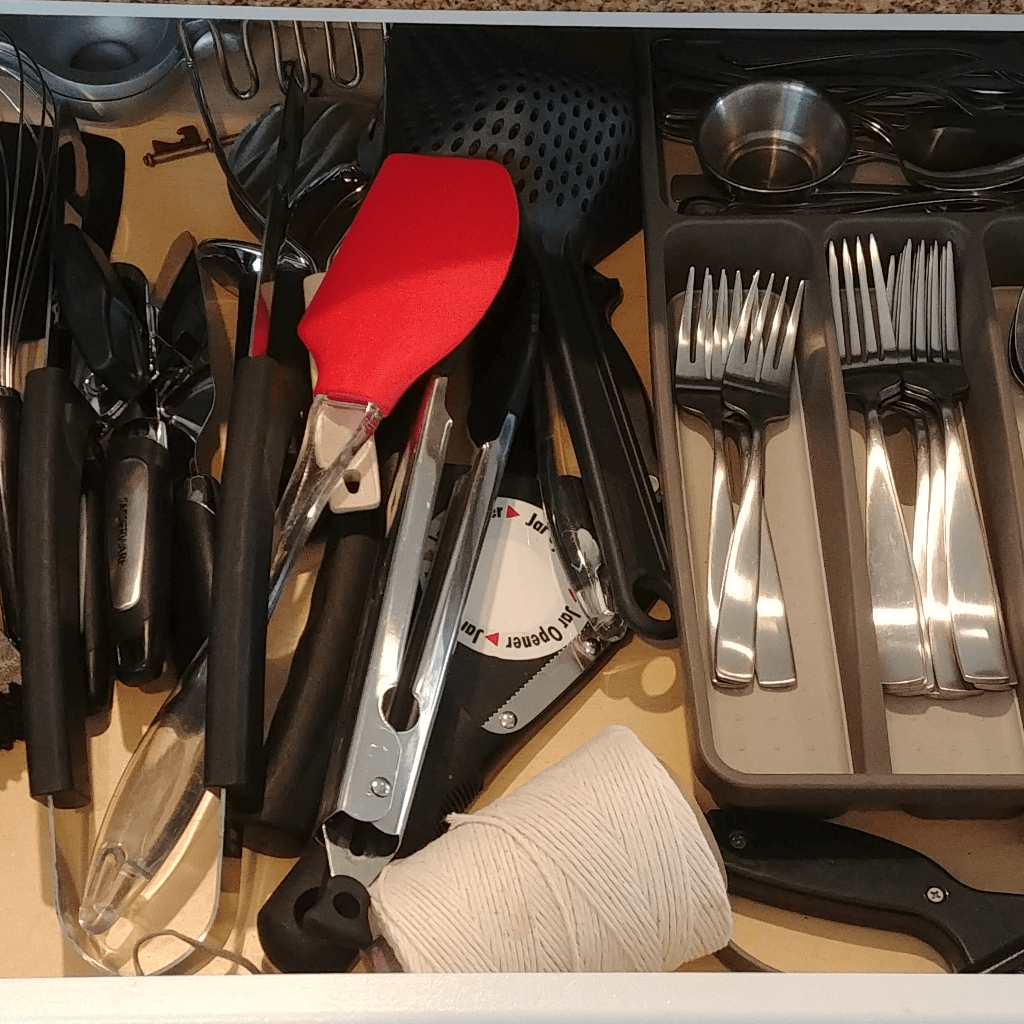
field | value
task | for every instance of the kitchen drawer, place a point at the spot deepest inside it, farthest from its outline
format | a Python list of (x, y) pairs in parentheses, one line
[(642, 687)]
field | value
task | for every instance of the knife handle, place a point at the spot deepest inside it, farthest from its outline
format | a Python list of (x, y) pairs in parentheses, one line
[(57, 426), (99, 666), (195, 520), (264, 412), (10, 440), (305, 723), (138, 531), (833, 871)]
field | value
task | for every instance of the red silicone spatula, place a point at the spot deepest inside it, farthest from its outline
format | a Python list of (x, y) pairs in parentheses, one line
[(423, 260)]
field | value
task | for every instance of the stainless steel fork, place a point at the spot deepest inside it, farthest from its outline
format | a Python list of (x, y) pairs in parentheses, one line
[(756, 386), (936, 377), (701, 352), (871, 376), (911, 322)]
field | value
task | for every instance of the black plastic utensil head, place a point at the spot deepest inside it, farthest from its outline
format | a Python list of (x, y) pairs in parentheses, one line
[(563, 129), (98, 310)]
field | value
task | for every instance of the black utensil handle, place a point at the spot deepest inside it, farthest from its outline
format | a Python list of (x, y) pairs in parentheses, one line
[(290, 945), (606, 295), (10, 443), (616, 481), (305, 723), (99, 665), (138, 532), (195, 520), (264, 411), (55, 435), (832, 871)]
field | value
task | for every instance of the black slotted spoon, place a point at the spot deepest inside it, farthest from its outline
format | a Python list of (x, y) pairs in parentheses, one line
[(564, 130)]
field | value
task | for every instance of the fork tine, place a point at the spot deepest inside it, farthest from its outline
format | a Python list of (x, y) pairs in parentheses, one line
[(787, 350), (772, 344), (905, 302), (870, 340), (952, 328), (851, 303), (837, 305), (739, 352), (886, 337), (920, 299), (684, 338), (705, 325), (721, 333), (934, 333), (737, 307), (762, 312), (746, 314)]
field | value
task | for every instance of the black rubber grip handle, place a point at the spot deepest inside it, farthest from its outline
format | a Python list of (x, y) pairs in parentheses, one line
[(195, 522), (138, 531), (618, 487), (832, 871), (264, 410), (305, 723), (289, 944), (99, 664), (10, 443), (55, 435)]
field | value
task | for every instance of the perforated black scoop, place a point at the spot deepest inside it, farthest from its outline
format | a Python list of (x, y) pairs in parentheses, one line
[(564, 129)]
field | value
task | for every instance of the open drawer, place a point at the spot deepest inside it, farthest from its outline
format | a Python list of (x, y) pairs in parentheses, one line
[(657, 690)]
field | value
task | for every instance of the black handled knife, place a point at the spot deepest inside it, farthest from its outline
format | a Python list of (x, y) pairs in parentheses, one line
[(836, 872)]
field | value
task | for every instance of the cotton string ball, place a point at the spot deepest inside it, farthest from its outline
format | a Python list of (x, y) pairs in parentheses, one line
[(597, 864)]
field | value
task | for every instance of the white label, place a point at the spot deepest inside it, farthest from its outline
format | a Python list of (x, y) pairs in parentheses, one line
[(520, 606)]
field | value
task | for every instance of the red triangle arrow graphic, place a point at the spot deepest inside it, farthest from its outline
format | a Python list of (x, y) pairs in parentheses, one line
[(493, 637), (511, 513)]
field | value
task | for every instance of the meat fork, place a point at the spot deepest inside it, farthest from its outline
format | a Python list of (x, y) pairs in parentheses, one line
[(756, 386), (701, 353)]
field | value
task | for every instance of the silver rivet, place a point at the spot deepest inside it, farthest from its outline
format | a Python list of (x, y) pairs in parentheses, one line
[(507, 720), (591, 647), (737, 840), (935, 894), (380, 786)]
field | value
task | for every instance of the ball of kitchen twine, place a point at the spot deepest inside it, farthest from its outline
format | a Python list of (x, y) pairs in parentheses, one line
[(599, 863)]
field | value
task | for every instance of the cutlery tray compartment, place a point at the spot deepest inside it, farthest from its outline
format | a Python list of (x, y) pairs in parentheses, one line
[(837, 741)]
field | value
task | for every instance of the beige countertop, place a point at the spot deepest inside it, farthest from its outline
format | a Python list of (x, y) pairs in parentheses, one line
[(949, 7)]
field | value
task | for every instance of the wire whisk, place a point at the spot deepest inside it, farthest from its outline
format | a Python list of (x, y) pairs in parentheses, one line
[(29, 144)]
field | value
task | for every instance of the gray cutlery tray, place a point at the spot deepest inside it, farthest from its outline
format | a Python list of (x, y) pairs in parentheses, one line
[(837, 742)]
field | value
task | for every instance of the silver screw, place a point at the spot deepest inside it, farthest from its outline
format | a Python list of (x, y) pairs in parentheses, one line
[(935, 894), (507, 720), (590, 647), (737, 840), (380, 786)]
